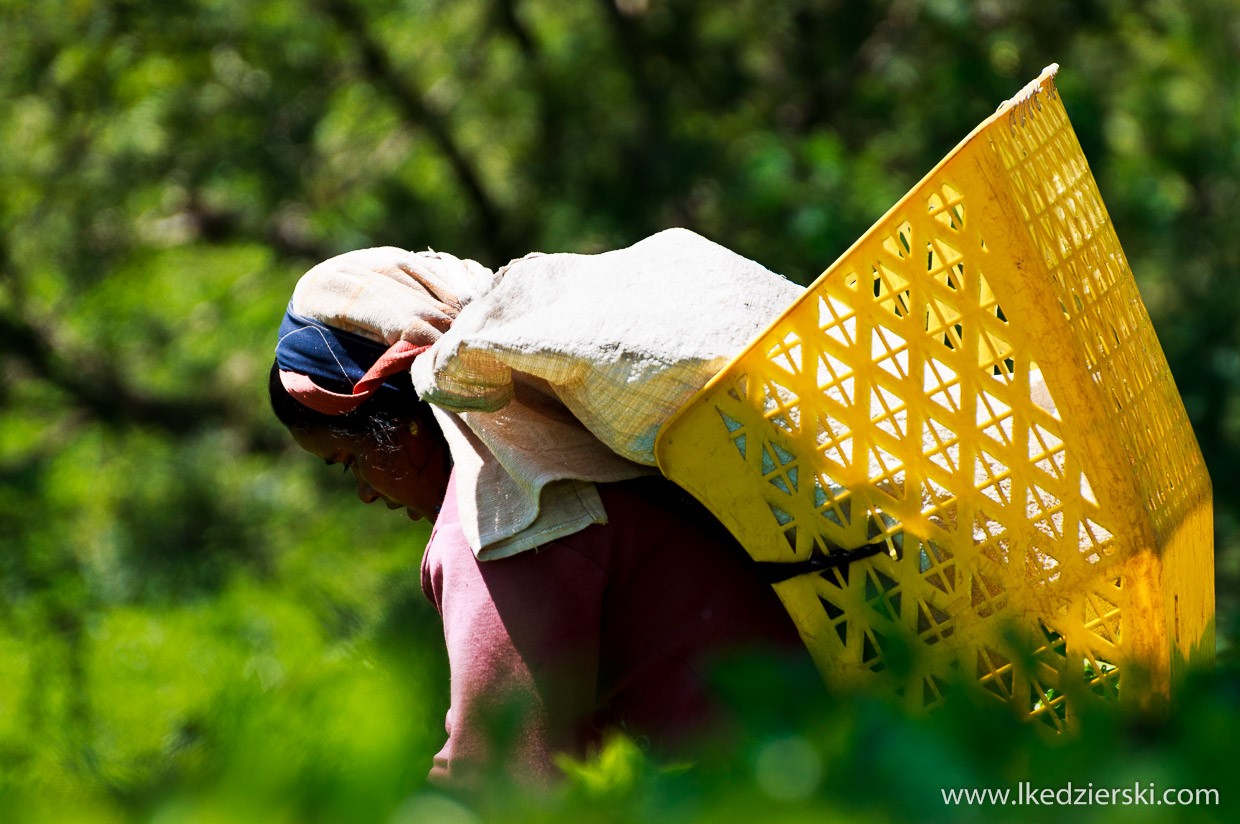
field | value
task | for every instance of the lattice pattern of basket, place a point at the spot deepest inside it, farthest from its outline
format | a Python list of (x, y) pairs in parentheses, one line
[(977, 382)]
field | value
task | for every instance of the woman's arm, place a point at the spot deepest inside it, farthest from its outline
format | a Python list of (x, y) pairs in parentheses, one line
[(522, 636)]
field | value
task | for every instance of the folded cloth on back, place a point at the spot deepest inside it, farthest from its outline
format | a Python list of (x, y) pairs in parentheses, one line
[(557, 371), (618, 340)]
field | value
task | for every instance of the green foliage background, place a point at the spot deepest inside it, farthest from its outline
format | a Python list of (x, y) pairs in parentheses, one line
[(197, 623)]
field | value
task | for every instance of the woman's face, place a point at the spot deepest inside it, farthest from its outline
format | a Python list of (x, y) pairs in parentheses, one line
[(412, 473)]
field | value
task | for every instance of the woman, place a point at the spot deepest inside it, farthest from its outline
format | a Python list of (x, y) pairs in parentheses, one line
[(579, 593)]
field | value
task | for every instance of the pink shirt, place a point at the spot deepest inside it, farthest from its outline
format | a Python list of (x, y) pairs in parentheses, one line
[(613, 626)]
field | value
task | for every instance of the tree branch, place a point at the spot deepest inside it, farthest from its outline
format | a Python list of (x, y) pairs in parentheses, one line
[(95, 386), (633, 50), (506, 12), (649, 154), (403, 89), (99, 390)]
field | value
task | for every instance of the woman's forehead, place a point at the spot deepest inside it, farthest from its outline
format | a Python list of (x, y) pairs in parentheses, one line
[(326, 444)]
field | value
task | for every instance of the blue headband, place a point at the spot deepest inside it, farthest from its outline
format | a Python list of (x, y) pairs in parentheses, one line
[(332, 358)]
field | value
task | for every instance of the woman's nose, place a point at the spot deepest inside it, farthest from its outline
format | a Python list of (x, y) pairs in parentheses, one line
[(364, 490)]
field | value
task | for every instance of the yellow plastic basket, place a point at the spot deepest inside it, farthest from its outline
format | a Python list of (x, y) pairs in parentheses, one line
[(976, 385)]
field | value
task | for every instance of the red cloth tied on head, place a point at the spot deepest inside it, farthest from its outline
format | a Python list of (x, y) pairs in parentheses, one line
[(308, 393)]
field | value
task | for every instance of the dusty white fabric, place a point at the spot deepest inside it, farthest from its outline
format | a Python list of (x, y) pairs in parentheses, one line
[(389, 294), (524, 488), (568, 367), (623, 337), (559, 370)]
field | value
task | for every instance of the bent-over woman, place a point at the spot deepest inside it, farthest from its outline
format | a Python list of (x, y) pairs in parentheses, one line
[(580, 591)]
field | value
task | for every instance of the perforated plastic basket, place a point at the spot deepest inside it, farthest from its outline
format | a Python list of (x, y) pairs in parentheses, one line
[(976, 386)]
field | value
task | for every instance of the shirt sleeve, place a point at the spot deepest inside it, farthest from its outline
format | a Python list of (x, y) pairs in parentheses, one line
[(522, 636)]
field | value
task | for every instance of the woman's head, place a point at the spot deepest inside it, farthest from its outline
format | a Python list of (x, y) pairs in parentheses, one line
[(390, 443), (341, 381)]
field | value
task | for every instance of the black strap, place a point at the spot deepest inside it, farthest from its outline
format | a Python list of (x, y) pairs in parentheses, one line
[(773, 572)]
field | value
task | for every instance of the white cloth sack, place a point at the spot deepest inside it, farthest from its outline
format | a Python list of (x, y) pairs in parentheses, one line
[(565, 370)]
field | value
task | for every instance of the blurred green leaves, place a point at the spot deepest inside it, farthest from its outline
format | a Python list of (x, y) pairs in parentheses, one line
[(198, 624)]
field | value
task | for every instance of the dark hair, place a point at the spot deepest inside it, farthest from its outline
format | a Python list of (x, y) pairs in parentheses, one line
[(378, 416)]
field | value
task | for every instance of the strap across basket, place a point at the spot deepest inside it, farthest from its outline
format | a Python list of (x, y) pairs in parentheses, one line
[(972, 401)]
